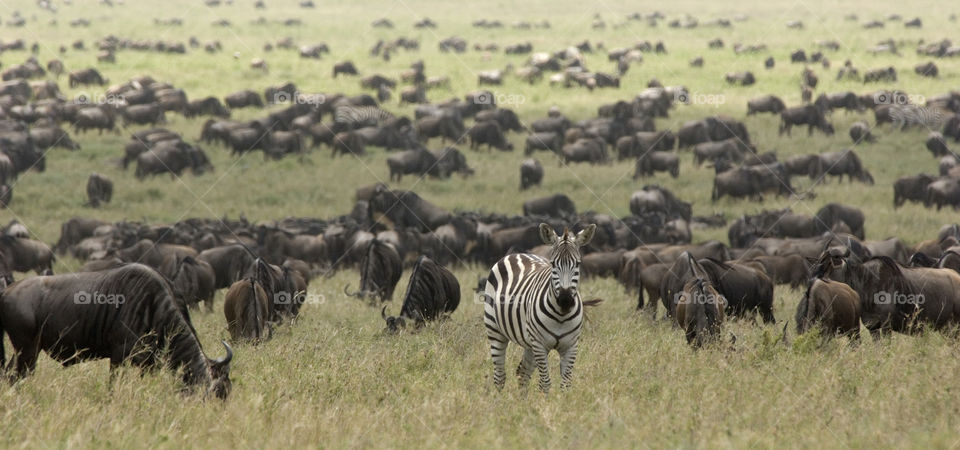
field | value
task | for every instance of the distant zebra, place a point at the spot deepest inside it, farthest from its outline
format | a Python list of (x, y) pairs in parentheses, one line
[(361, 116), (534, 303)]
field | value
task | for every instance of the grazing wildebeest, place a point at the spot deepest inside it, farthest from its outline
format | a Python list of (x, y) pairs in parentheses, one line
[(418, 162), (692, 133), (433, 292), (832, 305), (99, 190), (545, 140), (23, 255), (443, 126), (490, 133), (746, 288), (651, 162), (229, 262), (349, 143), (345, 67), (125, 314), (247, 310), (860, 132), (700, 310), (100, 118), (557, 205), (207, 106), (766, 103), (86, 77), (809, 115), (740, 78), (944, 191), (531, 173), (911, 188), (936, 144), (380, 271), (842, 163), (397, 208), (834, 213), (592, 150), (243, 99)]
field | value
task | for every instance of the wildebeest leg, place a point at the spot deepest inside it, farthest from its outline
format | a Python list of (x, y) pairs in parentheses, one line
[(525, 369), (25, 358), (540, 355), (567, 358), (498, 351)]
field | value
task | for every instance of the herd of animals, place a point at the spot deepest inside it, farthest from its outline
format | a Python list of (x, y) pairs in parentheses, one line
[(159, 272)]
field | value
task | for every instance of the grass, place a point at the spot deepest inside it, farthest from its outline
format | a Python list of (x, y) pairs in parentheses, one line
[(334, 380)]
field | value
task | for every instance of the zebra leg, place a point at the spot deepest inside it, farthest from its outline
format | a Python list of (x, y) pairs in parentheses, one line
[(525, 369), (567, 359), (498, 351), (540, 356)]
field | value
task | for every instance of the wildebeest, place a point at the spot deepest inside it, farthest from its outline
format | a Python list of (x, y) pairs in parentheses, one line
[(832, 305), (147, 114), (207, 106), (344, 67), (433, 292), (48, 137), (944, 191), (488, 132), (692, 133), (545, 140), (843, 163), (592, 150), (700, 308), (531, 173), (229, 262), (23, 255), (100, 118), (380, 271), (860, 132), (876, 75), (243, 99), (125, 314), (99, 190), (397, 208), (86, 77), (557, 205), (809, 115), (443, 126), (740, 78), (651, 162), (936, 144), (911, 188), (246, 308), (173, 158), (765, 104)]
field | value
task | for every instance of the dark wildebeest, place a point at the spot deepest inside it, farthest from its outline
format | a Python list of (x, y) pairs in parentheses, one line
[(397, 208), (345, 67), (210, 106), (592, 150), (380, 271), (488, 132), (243, 99), (789, 269), (832, 305), (432, 293), (740, 78), (860, 132), (349, 143), (86, 77), (23, 255), (148, 114), (809, 115), (191, 279), (936, 144), (47, 137), (545, 140), (229, 262), (531, 173), (738, 182), (746, 287), (99, 190), (911, 188), (100, 118), (125, 314), (765, 104), (834, 213), (692, 133), (557, 205), (172, 157), (444, 126), (507, 118), (700, 309), (417, 162), (944, 191), (843, 163), (651, 162), (247, 310)]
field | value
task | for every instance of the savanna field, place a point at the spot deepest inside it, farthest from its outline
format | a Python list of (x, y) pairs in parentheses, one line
[(336, 379)]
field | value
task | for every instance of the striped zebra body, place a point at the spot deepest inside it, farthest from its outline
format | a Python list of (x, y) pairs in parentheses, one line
[(534, 303)]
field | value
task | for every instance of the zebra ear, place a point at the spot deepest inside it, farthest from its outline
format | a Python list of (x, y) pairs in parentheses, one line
[(586, 234), (547, 234)]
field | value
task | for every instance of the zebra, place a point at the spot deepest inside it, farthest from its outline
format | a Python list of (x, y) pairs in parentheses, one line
[(534, 303)]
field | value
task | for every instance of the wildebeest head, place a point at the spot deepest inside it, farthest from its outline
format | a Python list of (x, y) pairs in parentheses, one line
[(565, 262), (397, 323), (220, 384)]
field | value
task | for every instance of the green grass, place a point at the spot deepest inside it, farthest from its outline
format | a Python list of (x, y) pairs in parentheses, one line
[(335, 380)]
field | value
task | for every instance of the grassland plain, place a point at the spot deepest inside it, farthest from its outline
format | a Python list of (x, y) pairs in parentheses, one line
[(335, 380)]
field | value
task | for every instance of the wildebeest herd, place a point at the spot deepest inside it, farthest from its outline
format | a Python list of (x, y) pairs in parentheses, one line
[(131, 300)]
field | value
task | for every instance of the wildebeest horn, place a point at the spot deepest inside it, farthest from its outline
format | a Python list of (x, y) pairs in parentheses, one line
[(226, 359), (383, 312), (346, 291)]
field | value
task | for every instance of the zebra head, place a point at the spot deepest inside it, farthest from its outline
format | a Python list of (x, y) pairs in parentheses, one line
[(565, 261)]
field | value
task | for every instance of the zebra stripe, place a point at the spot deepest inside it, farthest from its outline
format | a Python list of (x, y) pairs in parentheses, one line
[(534, 303), (361, 114)]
